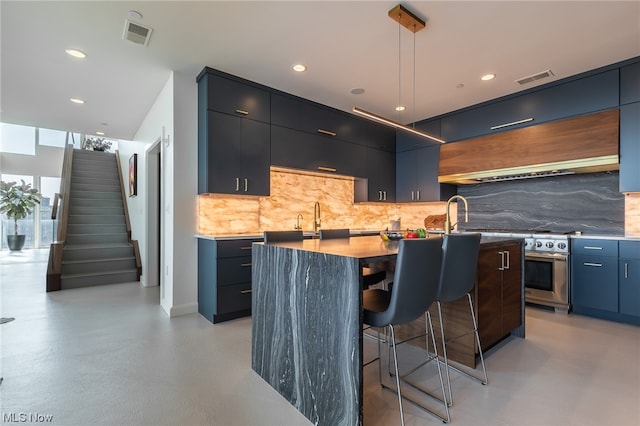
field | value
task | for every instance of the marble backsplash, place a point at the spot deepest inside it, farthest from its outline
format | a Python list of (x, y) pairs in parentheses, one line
[(295, 192), (590, 203)]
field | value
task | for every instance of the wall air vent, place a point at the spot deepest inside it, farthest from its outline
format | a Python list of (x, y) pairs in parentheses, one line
[(532, 78), (136, 33)]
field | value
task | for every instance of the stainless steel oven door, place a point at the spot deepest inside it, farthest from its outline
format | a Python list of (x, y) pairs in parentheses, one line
[(546, 279)]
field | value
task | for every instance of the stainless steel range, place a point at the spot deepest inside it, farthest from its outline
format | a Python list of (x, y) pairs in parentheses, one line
[(546, 271)]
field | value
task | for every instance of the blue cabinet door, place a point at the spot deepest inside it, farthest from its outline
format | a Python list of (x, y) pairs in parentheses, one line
[(630, 147), (581, 96), (236, 98), (630, 84), (381, 175), (320, 153), (417, 176), (629, 278), (237, 156), (594, 282)]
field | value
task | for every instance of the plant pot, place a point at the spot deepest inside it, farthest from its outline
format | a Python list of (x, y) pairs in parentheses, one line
[(16, 242)]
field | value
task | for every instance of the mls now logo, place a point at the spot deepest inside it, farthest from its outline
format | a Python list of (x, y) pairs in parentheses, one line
[(26, 417)]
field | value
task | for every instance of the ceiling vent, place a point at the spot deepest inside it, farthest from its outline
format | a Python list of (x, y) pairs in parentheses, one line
[(136, 33), (531, 78)]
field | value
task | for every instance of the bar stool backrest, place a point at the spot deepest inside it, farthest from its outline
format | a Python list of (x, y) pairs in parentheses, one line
[(328, 234), (459, 265), (416, 280), (282, 236)]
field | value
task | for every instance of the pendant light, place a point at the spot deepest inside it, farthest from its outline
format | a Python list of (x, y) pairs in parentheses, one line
[(414, 24)]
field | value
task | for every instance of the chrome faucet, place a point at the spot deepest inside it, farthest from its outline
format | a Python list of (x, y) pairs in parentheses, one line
[(316, 216), (297, 226), (447, 224)]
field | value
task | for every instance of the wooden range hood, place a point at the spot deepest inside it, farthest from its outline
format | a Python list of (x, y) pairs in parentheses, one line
[(583, 144)]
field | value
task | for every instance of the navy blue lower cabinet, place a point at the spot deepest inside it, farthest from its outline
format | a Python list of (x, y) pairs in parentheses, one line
[(594, 274), (629, 277), (595, 282), (224, 279)]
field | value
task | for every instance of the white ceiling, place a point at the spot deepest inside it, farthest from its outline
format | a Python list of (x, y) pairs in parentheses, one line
[(344, 45)]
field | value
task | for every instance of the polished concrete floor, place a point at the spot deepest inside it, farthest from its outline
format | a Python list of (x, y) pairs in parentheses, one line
[(110, 356)]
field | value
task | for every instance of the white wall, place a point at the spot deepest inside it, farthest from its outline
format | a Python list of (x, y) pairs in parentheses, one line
[(174, 114)]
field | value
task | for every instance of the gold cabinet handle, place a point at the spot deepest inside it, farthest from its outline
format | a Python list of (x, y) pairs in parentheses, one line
[(245, 248), (245, 291), (327, 132), (245, 264), (237, 184), (243, 112), (327, 169)]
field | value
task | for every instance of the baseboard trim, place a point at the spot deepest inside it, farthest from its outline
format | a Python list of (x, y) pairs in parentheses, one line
[(186, 309)]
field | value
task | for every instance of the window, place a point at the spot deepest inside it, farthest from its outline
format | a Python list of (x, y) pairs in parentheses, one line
[(15, 139), (50, 137), (48, 227), (26, 225)]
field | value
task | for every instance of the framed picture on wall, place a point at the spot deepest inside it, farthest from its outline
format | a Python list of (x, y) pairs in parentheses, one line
[(133, 175)]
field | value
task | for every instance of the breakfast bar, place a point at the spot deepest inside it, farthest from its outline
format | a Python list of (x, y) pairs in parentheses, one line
[(307, 322)]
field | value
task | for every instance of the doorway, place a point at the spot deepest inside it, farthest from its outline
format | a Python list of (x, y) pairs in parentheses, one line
[(153, 230)]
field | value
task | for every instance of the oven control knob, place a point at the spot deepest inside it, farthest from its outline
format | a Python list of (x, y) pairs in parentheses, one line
[(562, 246), (538, 243), (549, 244)]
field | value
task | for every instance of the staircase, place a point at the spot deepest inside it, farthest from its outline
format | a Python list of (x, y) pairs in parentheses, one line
[(97, 249)]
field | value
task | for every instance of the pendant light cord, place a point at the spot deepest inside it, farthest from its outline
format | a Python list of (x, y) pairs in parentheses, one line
[(399, 68), (414, 77)]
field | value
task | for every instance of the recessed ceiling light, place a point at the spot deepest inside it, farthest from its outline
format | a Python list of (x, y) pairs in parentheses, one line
[(400, 108), (76, 101), (488, 77), (100, 133), (357, 91), (299, 68), (76, 53)]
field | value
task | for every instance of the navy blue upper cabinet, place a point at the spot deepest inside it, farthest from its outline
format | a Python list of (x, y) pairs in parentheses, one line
[(417, 172), (237, 156), (381, 174), (630, 147), (233, 135), (630, 84), (242, 99), (307, 116), (316, 152), (409, 141), (585, 95)]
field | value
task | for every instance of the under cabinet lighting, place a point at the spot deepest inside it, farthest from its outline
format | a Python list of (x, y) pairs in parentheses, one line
[(395, 124)]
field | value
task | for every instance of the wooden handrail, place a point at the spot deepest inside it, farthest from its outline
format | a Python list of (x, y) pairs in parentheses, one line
[(134, 243), (54, 209), (54, 268)]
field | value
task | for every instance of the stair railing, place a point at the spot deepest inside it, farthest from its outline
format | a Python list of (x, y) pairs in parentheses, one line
[(60, 212), (134, 243)]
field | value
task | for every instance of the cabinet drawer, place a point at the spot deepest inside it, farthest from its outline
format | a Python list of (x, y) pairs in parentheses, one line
[(584, 246), (235, 248), (233, 270), (234, 298), (629, 249)]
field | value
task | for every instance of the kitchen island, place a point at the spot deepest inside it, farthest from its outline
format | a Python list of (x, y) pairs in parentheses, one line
[(307, 322)]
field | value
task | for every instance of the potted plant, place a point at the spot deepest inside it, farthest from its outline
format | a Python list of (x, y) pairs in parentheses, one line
[(96, 144), (17, 201)]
